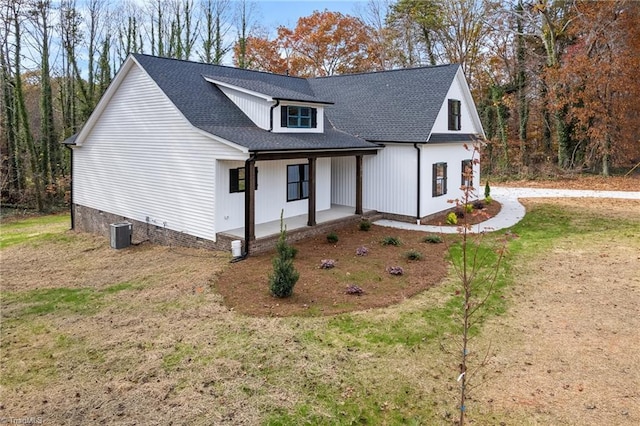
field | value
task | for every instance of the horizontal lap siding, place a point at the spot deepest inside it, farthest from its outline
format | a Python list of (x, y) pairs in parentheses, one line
[(142, 160)]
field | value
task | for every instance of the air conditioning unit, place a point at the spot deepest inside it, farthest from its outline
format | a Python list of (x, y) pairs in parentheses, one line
[(120, 235)]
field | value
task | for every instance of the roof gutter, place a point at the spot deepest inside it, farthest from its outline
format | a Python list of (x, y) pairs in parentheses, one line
[(419, 151)]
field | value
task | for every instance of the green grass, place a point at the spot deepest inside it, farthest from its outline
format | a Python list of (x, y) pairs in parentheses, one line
[(382, 366), (35, 229), (84, 301)]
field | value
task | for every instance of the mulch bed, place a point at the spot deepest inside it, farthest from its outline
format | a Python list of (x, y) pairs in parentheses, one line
[(245, 284)]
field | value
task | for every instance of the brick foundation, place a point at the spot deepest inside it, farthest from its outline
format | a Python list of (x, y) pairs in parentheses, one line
[(98, 222)]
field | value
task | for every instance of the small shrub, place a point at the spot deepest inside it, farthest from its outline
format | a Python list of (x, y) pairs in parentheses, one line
[(432, 239), (478, 205), (354, 290), (362, 251), (395, 270), (487, 190), (452, 219), (364, 225), (390, 241), (284, 275), (327, 264), (488, 200), (332, 238), (468, 208), (413, 255)]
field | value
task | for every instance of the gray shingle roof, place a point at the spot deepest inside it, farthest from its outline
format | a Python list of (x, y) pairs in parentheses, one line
[(270, 89), (399, 105), (207, 108)]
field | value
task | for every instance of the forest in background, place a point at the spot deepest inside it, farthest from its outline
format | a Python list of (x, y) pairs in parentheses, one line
[(555, 82)]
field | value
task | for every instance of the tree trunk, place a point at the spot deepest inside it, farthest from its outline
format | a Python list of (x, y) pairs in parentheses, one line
[(24, 132)]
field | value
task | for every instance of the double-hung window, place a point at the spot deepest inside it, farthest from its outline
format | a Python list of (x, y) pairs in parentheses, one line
[(439, 179), (467, 174), (298, 117), (297, 182), (454, 114)]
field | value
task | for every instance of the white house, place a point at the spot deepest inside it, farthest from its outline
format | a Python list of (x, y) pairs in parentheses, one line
[(193, 153)]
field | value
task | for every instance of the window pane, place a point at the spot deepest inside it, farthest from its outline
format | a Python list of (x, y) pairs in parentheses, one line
[(305, 168), (305, 122), (305, 189), (293, 110), (292, 191), (241, 173), (241, 185), (293, 174)]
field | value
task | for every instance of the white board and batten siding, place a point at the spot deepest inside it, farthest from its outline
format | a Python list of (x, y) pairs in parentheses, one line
[(257, 109), (389, 180), (144, 161), (469, 120), (271, 195), (453, 154)]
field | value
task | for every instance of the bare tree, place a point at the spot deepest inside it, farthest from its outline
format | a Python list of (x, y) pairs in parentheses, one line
[(217, 16)]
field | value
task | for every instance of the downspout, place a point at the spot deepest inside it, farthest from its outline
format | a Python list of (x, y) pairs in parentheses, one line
[(71, 210), (415, 145), (274, 106)]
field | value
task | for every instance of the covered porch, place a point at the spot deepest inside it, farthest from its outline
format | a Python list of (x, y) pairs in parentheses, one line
[(334, 214)]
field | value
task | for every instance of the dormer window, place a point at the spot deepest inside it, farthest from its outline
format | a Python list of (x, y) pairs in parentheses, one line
[(298, 117)]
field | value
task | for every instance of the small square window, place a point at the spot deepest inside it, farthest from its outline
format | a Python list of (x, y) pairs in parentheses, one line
[(237, 181)]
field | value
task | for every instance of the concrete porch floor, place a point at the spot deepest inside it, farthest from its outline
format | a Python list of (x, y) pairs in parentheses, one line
[(296, 222)]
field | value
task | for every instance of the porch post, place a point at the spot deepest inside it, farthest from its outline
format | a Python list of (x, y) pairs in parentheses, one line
[(249, 202), (312, 192), (358, 184)]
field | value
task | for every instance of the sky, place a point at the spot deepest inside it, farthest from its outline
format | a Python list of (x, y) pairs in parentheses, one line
[(272, 14)]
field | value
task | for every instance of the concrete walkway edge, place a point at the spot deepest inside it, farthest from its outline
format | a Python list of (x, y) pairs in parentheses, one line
[(512, 210)]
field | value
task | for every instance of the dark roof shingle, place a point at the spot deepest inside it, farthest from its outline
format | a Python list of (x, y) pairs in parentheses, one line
[(399, 105)]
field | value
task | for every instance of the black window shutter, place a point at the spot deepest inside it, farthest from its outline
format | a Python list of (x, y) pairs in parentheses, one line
[(314, 118), (233, 180), (450, 115), (283, 115), (434, 180), (256, 178)]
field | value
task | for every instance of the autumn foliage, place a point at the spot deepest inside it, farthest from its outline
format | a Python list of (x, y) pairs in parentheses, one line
[(322, 44)]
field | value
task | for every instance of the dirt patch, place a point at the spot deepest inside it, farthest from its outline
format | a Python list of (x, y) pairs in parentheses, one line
[(612, 183), (244, 286), (569, 348)]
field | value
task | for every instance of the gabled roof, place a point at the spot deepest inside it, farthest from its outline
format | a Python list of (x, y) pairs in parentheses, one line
[(398, 105), (206, 107)]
